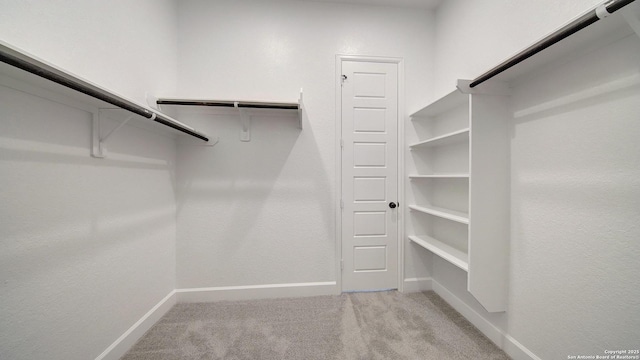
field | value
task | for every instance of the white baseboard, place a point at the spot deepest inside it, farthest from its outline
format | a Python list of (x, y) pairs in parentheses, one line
[(417, 285), (487, 328), (517, 351), (507, 343), (135, 332), (252, 292)]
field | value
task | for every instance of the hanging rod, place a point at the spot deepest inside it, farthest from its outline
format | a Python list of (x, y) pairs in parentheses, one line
[(233, 104), (21, 60), (578, 24)]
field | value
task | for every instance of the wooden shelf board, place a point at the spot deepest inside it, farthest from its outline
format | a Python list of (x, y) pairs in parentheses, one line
[(447, 252), (452, 215), (446, 139)]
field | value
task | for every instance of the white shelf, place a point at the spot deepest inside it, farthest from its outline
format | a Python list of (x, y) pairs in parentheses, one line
[(440, 176), (448, 102), (447, 252), (452, 215), (253, 106), (25, 72), (446, 139), (249, 104)]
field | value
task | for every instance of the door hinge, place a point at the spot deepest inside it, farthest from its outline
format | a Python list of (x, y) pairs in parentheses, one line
[(341, 204), (341, 144), (341, 264)]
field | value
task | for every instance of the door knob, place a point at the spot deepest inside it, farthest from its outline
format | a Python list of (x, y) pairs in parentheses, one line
[(392, 205)]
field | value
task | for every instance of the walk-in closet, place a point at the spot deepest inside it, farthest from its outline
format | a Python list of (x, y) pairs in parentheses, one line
[(319, 179)]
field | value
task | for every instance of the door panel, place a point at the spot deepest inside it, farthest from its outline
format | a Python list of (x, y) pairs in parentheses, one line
[(367, 120), (369, 175), (369, 189)]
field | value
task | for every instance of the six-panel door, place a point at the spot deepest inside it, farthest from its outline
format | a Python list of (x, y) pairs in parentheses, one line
[(369, 175)]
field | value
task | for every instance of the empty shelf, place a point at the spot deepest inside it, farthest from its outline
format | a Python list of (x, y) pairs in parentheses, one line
[(230, 103), (447, 252), (446, 139), (452, 215), (294, 107), (440, 176), (450, 101)]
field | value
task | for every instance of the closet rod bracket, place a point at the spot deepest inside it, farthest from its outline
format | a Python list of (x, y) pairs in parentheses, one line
[(98, 141), (245, 120)]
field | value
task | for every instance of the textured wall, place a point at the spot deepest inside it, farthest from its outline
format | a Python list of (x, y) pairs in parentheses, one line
[(126, 46), (474, 36), (87, 246), (575, 209), (574, 171), (263, 212)]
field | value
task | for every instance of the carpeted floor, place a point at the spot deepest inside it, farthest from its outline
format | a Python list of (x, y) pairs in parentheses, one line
[(379, 325)]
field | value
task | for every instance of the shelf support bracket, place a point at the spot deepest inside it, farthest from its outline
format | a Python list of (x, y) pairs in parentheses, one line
[(245, 120), (631, 17), (98, 142)]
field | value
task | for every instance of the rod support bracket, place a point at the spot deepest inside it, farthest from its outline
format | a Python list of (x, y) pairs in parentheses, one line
[(98, 141), (98, 150), (245, 121), (602, 12)]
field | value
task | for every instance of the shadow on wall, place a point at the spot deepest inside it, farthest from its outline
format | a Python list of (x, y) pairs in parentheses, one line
[(593, 96), (69, 221), (238, 197)]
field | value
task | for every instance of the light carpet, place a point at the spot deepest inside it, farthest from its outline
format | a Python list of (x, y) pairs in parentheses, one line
[(378, 325)]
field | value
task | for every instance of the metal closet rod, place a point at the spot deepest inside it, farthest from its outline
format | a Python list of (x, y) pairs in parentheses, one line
[(578, 24), (226, 103), (33, 66)]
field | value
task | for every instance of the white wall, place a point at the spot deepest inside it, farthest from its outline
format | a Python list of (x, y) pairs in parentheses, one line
[(474, 36), (575, 210), (87, 246), (574, 188), (126, 46), (263, 212)]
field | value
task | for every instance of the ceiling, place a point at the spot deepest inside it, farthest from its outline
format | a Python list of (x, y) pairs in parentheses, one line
[(424, 4)]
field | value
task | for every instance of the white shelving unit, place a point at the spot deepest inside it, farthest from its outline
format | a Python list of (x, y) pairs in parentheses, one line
[(465, 131), (481, 158)]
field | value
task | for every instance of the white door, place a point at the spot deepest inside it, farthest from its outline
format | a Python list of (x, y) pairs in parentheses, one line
[(369, 175)]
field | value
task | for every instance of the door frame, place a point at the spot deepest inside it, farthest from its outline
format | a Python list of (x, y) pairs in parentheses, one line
[(338, 151)]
